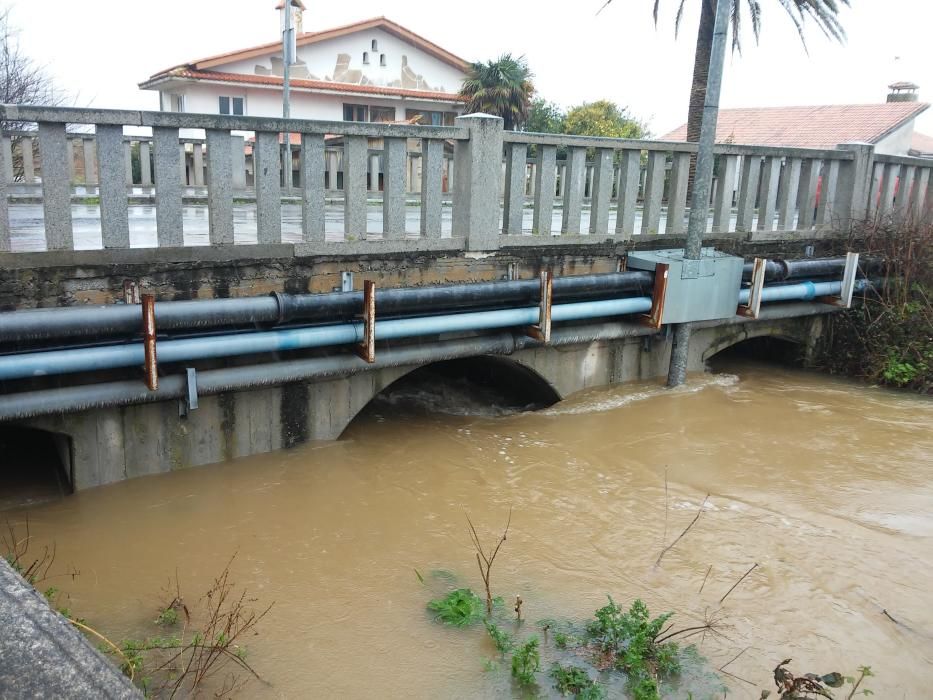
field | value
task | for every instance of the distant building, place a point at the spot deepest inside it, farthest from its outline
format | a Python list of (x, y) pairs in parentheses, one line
[(888, 126), (374, 70)]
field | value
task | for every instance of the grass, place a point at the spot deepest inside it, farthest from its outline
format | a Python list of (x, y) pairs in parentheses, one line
[(459, 608)]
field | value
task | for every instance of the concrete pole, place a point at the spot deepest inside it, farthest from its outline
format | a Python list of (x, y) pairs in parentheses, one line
[(699, 206)]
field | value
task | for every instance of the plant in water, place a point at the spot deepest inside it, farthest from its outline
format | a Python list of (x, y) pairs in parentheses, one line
[(460, 607), (636, 644), (485, 561), (183, 663), (526, 662), (503, 641), (573, 680)]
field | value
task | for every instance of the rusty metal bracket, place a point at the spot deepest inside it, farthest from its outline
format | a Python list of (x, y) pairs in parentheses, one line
[(849, 275), (367, 349), (149, 342), (655, 317), (542, 331), (753, 307), (130, 292)]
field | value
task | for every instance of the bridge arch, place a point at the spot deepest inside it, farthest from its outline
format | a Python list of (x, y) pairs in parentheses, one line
[(788, 333), (37, 465), (504, 378)]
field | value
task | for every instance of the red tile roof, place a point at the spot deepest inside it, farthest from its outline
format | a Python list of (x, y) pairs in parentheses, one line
[(295, 83), (306, 38), (921, 143), (821, 126)]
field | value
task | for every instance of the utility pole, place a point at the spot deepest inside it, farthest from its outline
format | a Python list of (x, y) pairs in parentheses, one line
[(699, 205), (288, 51)]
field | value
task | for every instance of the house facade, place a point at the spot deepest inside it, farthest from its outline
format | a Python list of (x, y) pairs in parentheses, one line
[(374, 70)]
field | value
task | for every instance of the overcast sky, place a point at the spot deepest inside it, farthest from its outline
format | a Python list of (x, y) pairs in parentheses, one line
[(100, 49)]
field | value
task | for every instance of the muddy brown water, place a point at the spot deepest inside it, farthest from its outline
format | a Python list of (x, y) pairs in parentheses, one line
[(826, 484)]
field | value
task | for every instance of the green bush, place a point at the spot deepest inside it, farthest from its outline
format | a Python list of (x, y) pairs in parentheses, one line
[(460, 608), (526, 662)]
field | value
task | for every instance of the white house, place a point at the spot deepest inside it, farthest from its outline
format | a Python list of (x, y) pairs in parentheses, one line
[(374, 70)]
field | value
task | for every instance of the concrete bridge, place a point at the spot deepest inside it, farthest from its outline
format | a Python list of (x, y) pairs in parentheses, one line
[(401, 207)]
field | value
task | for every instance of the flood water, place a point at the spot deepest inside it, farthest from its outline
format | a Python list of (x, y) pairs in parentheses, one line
[(827, 485)]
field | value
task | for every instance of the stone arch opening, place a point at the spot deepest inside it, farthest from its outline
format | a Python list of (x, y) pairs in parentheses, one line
[(484, 385), (36, 466)]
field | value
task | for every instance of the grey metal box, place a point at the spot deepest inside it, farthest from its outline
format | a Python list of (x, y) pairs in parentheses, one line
[(697, 290)]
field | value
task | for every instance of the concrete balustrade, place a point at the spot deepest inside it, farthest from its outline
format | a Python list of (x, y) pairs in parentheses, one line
[(532, 189)]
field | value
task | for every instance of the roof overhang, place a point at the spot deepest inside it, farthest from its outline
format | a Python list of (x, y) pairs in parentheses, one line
[(310, 86)]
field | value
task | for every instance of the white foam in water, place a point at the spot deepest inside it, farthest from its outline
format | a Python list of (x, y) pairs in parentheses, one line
[(611, 399)]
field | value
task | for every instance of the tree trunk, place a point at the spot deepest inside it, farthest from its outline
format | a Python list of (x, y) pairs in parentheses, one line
[(700, 74)]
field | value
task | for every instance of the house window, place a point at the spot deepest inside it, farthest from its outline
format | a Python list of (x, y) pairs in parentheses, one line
[(382, 59), (375, 45), (366, 58), (177, 103), (355, 113), (231, 105), (429, 118), (382, 114)]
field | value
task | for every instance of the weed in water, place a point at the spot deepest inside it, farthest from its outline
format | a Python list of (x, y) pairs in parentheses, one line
[(485, 561), (167, 617), (526, 662), (460, 608), (573, 680), (501, 638)]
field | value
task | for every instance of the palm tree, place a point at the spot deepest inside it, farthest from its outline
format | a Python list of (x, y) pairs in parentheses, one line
[(502, 87), (824, 13)]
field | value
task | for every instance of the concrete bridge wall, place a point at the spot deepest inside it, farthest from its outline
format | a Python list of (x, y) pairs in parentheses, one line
[(108, 445)]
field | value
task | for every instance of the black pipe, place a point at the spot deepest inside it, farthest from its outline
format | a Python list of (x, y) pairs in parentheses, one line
[(809, 268), (122, 319)]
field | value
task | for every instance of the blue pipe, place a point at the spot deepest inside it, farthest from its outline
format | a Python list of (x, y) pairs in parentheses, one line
[(801, 291), (35, 364)]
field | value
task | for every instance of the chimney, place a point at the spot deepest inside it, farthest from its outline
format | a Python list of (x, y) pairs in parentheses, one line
[(903, 92)]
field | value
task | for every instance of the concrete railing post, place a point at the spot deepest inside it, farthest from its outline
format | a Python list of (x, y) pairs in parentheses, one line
[(855, 183), (477, 170)]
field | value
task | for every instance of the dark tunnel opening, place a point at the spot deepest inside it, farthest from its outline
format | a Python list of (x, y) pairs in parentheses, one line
[(476, 386), (764, 349), (35, 466)]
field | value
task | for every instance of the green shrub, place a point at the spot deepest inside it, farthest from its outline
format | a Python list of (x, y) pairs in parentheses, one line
[(572, 680), (526, 662), (460, 608)]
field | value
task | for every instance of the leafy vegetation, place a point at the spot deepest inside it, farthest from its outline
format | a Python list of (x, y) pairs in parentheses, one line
[(502, 639), (600, 118), (631, 641), (502, 87), (460, 608), (888, 336), (526, 662), (573, 680)]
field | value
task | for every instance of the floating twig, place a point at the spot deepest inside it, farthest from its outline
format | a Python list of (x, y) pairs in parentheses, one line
[(686, 530), (704, 579), (754, 566)]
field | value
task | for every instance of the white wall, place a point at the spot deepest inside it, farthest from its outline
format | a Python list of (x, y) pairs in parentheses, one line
[(203, 97), (897, 143), (321, 59)]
